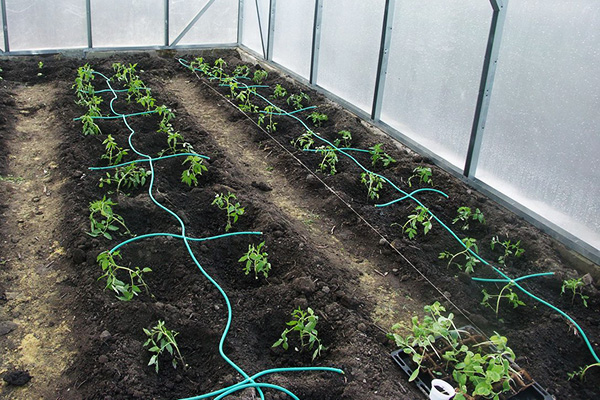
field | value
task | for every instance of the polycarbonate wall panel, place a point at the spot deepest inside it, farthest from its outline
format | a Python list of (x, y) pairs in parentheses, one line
[(434, 70), (218, 25), (123, 23), (349, 50), (541, 145), (40, 24), (250, 26), (292, 45)]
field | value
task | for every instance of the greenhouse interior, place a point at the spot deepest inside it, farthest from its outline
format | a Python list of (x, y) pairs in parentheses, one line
[(402, 199)]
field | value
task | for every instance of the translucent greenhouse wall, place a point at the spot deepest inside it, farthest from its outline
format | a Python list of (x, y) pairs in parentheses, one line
[(37, 26), (504, 93), (542, 141)]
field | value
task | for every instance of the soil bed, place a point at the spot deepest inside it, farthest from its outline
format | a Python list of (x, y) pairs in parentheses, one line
[(324, 255)]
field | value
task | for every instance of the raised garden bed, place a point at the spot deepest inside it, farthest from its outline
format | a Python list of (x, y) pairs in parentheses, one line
[(323, 255)]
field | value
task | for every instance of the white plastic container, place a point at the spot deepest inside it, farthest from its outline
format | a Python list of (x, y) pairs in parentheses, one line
[(441, 390)]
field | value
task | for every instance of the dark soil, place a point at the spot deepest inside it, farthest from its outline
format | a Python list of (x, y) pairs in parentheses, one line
[(358, 278)]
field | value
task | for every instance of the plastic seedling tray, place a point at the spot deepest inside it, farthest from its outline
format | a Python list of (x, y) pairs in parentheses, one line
[(527, 388)]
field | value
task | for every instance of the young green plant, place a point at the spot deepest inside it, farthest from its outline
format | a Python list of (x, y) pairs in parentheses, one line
[(296, 100), (420, 216), (505, 293), (196, 167), (377, 154), (344, 139), (256, 260), (469, 258), (259, 76), (329, 160), (424, 175), (465, 215), (510, 249), (113, 153), (303, 322), (124, 291), (104, 220), (160, 339), (575, 285), (373, 183), (130, 177), (228, 203), (317, 118)]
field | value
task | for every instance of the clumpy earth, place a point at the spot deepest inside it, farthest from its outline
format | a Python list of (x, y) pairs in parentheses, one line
[(329, 247)]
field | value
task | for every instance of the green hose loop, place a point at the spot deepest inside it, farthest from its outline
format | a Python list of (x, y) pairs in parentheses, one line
[(256, 385), (267, 372), (513, 280), (146, 160), (150, 235), (409, 196), (185, 239), (120, 116), (248, 381)]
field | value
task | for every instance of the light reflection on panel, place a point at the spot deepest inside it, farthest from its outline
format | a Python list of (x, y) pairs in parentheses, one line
[(124, 23), (292, 45), (217, 25), (434, 71), (350, 38), (39, 25), (251, 29), (541, 144)]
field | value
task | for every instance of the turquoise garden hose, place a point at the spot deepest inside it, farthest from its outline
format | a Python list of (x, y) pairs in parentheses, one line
[(249, 381), (407, 195)]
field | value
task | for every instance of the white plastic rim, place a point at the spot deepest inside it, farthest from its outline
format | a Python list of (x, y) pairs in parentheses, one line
[(441, 390)]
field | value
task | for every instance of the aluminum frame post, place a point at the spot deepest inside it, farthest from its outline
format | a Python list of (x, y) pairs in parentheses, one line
[(316, 42), (167, 23), (240, 26), (271, 35), (485, 87), (260, 31), (5, 26), (88, 16), (384, 50), (191, 24)]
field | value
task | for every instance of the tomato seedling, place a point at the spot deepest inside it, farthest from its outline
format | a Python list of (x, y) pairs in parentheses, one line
[(104, 220), (505, 293), (377, 154), (124, 291), (190, 175), (465, 215), (510, 249), (344, 139), (256, 260), (420, 216), (259, 76), (303, 322), (160, 339), (329, 160), (232, 208), (423, 173), (373, 183), (113, 153), (296, 100), (470, 259), (318, 118), (575, 285)]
